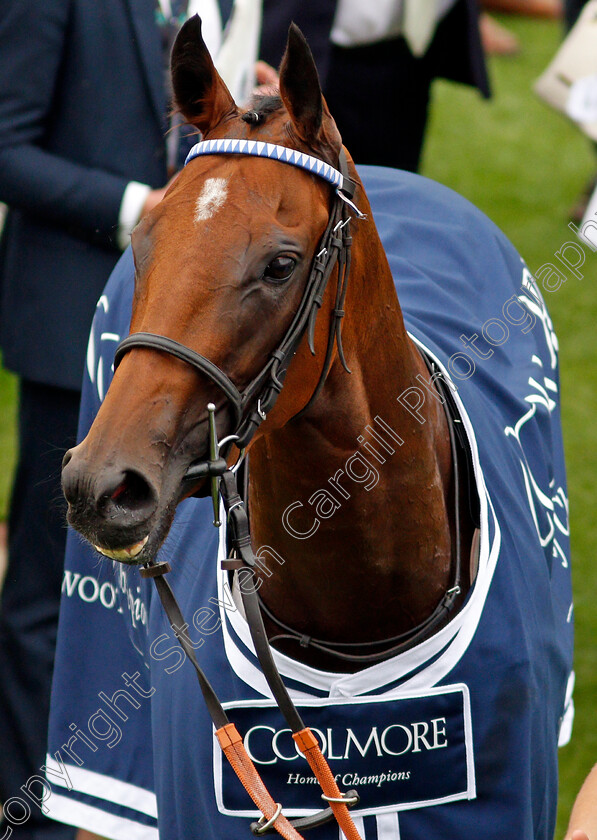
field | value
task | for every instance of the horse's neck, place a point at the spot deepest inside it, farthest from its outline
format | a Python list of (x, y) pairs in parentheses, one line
[(368, 480)]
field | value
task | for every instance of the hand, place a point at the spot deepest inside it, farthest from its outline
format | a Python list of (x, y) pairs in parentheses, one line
[(267, 79), (579, 835), (153, 199), (155, 196)]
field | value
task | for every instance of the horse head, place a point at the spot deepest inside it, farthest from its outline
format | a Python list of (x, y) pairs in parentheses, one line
[(221, 266)]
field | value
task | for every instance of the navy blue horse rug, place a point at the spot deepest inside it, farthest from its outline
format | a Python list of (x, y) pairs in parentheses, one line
[(455, 738)]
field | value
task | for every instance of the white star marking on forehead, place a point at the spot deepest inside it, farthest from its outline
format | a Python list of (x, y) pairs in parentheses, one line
[(211, 198)]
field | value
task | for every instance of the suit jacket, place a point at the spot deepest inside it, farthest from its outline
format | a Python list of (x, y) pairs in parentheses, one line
[(455, 53), (82, 110)]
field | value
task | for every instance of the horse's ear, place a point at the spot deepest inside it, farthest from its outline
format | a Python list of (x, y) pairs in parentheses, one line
[(199, 91), (300, 88)]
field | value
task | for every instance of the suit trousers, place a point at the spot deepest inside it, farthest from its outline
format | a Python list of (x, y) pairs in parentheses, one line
[(379, 96), (31, 596)]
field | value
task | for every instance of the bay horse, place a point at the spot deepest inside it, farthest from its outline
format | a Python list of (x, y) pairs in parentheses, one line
[(377, 555), (233, 304)]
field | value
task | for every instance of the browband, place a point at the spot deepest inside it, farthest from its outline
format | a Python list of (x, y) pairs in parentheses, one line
[(257, 148)]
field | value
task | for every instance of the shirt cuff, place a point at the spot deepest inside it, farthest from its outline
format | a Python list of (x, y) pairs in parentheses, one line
[(131, 206)]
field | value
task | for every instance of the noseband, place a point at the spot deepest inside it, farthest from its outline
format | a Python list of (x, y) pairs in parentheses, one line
[(251, 406)]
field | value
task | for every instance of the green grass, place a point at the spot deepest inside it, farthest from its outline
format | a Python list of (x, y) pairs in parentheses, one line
[(523, 165), (8, 395)]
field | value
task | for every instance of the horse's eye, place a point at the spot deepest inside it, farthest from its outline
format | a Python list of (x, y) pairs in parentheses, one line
[(280, 270)]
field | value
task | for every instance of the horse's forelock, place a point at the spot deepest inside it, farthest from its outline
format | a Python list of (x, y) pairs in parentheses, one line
[(263, 106)]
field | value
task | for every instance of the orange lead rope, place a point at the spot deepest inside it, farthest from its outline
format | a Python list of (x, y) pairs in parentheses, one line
[(244, 563), (233, 748), (232, 745)]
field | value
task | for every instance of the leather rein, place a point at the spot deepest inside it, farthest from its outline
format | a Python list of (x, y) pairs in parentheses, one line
[(250, 409)]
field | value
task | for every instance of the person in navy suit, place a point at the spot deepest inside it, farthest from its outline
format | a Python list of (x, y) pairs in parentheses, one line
[(83, 117), (376, 87)]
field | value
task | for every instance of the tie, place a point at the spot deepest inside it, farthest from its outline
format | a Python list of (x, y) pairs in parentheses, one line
[(170, 16), (171, 13), (418, 24)]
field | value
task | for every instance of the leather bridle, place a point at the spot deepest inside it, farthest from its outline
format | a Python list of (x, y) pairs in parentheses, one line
[(251, 406)]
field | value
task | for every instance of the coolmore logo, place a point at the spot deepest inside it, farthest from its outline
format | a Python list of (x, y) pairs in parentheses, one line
[(266, 745), (402, 752)]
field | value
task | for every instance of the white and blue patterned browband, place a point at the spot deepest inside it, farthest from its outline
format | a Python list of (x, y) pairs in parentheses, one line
[(268, 150)]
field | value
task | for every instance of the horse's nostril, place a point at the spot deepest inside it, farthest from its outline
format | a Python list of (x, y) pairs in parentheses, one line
[(129, 492), (71, 478)]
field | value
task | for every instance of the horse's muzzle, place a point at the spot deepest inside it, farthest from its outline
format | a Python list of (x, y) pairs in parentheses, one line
[(115, 509)]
